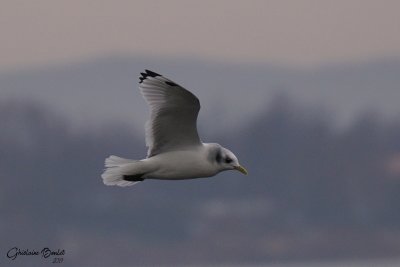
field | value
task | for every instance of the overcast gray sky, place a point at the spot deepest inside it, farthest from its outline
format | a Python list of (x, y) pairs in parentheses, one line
[(298, 32)]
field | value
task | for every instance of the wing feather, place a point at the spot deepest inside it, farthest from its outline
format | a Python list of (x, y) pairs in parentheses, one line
[(173, 114)]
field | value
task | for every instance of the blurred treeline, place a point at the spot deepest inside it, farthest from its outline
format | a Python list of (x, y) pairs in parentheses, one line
[(314, 191)]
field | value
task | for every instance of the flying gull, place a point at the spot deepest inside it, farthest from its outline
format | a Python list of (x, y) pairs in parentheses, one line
[(175, 151)]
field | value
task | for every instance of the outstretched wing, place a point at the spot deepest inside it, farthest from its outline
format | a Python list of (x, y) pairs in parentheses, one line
[(174, 110)]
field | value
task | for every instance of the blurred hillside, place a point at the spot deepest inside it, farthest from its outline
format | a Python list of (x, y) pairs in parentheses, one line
[(91, 93), (313, 192)]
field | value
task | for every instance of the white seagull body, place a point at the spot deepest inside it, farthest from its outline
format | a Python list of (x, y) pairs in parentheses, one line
[(175, 150)]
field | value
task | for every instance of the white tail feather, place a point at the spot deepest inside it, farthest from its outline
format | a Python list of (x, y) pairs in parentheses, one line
[(115, 161), (114, 173)]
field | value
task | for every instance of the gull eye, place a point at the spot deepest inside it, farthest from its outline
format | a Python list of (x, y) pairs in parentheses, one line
[(228, 160)]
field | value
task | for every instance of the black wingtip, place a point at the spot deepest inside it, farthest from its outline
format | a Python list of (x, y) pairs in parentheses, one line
[(171, 83), (146, 74), (152, 73)]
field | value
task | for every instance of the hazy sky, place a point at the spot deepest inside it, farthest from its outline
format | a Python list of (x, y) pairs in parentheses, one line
[(297, 32)]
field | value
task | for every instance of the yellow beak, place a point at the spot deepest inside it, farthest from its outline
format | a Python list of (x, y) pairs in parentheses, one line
[(241, 169)]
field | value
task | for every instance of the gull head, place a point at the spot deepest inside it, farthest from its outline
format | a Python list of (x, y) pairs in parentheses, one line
[(224, 159)]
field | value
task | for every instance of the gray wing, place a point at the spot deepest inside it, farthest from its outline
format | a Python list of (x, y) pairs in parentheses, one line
[(174, 110)]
